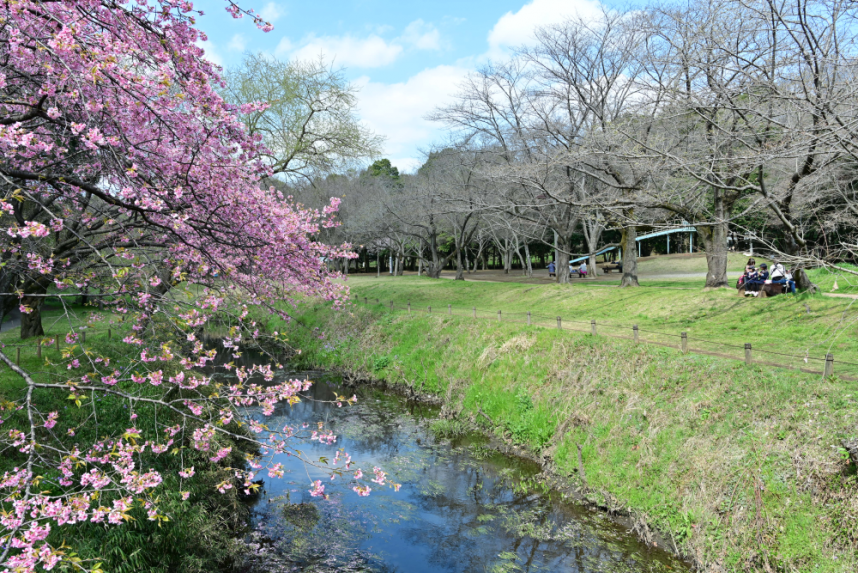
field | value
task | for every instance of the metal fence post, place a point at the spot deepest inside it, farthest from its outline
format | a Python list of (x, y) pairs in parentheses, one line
[(528, 318), (829, 365), (684, 342), (748, 359), (593, 327), (559, 323), (637, 336)]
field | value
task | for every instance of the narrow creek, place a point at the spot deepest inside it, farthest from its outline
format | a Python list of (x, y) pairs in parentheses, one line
[(462, 507)]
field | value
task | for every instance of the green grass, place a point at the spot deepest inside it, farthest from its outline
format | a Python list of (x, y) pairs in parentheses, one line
[(715, 321), (825, 278), (739, 466)]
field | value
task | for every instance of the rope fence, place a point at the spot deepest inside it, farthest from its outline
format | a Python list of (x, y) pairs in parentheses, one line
[(751, 354), (56, 341)]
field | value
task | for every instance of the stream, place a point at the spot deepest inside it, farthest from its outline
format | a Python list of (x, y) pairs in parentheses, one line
[(463, 507)]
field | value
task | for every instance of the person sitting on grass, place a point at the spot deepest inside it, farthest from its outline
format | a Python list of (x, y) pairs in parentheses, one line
[(551, 269), (757, 280), (582, 270)]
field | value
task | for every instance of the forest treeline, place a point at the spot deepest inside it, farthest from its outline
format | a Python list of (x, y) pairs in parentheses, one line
[(737, 118)]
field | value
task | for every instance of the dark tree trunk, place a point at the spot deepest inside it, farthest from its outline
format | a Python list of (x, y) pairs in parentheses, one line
[(715, 242), (31, 322), (802, 282), (630, 257), (460, 269), (562, 262)]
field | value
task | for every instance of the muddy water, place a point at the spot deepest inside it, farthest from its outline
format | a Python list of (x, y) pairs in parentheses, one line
[(462, 506)]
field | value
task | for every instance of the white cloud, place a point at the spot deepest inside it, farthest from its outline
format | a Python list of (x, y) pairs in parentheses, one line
[(272, 12), (421, 35), (397, 111), (237, 43), (515, 29), (210, 52), (283, 47), (370, 52)]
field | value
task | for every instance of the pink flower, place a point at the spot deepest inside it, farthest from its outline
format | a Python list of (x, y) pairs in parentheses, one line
[(362, 491), (221, 454), (318, 490)]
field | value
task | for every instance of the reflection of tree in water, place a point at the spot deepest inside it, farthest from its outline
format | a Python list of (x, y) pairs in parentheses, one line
[(486, 522), (320, 538), (459, 510)]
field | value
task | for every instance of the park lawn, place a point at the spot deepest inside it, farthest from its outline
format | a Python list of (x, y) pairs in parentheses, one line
[(739, 467), (825, 278), (656, 270), (715, 321)]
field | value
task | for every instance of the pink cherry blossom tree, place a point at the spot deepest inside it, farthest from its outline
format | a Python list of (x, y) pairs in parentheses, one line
[(124, 175)]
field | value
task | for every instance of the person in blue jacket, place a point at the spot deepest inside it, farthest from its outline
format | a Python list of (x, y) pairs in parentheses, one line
[(753, 284), (551, 269)]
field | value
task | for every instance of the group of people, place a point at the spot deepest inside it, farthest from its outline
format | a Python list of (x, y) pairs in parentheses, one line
[(582, 269), (753, 279)]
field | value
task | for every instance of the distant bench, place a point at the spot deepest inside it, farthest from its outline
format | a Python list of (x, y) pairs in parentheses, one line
[(607, 268)]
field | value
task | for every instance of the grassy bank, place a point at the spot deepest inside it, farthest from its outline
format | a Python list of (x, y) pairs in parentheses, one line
[(792, 331), (740, 467)]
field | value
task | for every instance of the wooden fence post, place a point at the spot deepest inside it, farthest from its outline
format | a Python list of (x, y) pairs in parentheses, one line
[(829, 365), (593, 327), (475, 312), (499, 316), (684, 342), (450, 309), (559, 323), (637, 336), (748, 359), (528, 318)]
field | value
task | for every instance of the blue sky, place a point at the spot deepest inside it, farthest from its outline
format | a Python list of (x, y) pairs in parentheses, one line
[(405, 57)]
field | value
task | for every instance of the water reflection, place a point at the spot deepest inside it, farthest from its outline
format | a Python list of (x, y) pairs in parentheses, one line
[(461, 508)]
